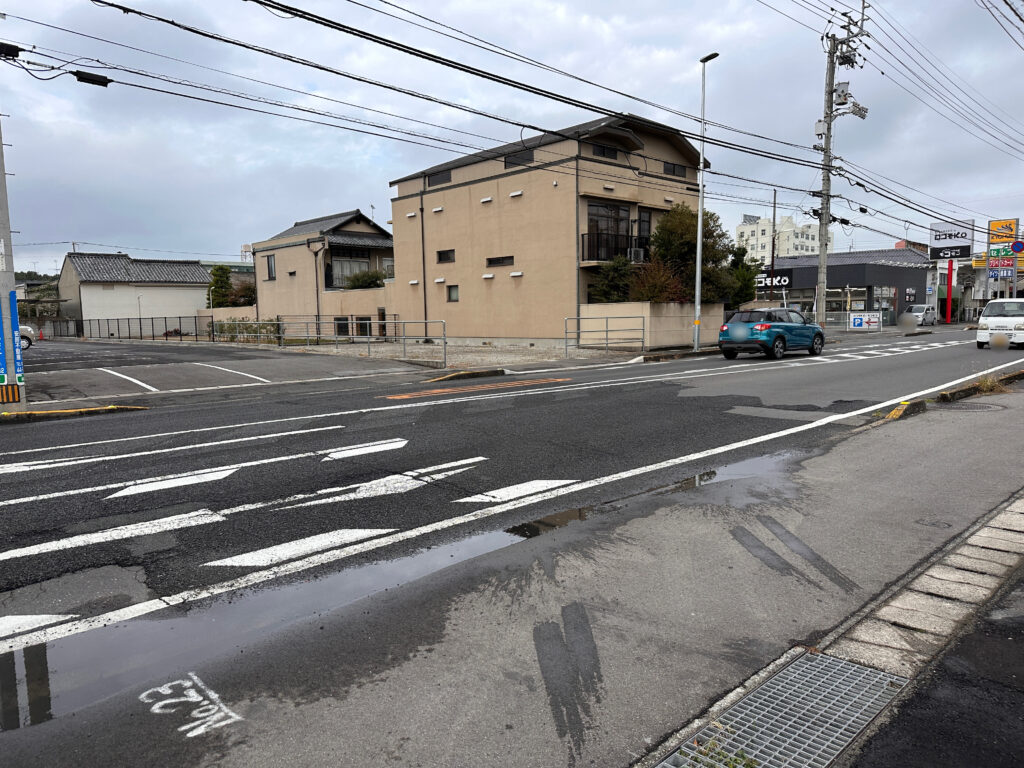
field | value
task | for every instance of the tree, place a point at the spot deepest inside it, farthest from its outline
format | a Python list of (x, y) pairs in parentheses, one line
[(675, 242), (745, 272), (612, 282), (220, 286), (655, 281), (242, 295), (372, 278)]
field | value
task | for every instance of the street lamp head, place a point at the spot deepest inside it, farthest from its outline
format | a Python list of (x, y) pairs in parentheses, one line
[(708, 58)]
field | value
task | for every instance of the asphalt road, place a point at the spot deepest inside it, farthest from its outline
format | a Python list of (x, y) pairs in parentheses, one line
[(299, 543)]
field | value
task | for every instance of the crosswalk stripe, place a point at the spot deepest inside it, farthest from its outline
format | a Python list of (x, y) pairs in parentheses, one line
[(292, 550)]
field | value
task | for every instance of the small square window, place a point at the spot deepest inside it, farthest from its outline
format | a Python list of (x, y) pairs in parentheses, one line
[(341, 326), (453, 293), (446, 257), (762, 231), (675, 169), (441, 177), (603, 150)]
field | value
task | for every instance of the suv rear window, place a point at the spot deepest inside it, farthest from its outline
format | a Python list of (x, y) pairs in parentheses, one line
[(747, 316)]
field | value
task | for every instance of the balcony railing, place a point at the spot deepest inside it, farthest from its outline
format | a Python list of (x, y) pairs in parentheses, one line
[(600, 246)]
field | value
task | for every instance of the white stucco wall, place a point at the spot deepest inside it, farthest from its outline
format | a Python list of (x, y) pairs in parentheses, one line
[(107, 301)]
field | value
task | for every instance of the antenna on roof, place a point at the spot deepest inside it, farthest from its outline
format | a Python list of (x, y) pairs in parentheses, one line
[(371, 211)]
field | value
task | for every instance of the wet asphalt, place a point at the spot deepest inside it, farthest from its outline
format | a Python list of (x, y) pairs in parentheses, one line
[(485, 632)]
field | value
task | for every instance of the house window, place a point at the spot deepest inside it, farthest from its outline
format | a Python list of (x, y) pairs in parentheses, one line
[(675, 169), (441, 177), (500, 261), (345, 264), (387, 263), (607, 219), (519, 158), (453, 293), (603, 150), (762, 231), (446, 257), (812, 238), (341, 326), (644, 223), (271, 267), (762, 246)]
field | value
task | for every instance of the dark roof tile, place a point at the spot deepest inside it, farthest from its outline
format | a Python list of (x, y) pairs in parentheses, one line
[(122, 268)]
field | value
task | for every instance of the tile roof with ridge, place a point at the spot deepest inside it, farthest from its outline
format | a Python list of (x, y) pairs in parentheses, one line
[(122, 268)]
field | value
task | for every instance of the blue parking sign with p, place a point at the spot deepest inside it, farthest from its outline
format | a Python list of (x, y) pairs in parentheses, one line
[(858, 322)]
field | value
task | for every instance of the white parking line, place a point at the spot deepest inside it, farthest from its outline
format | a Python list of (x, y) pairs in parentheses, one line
[(129, 378), (228, 370)]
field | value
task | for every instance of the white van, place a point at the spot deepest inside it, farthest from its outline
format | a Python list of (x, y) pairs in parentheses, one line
[(1002, 317)]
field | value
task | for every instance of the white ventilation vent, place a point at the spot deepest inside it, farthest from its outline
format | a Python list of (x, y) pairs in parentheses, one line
[(517, 193), (438, 279), (488, 276), (438, 209)]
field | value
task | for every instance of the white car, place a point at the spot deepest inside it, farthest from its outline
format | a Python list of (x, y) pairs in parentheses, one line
[(923, 313), (1001, 317), (28, 335)]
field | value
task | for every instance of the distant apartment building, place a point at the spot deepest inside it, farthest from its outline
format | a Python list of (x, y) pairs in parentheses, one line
[(501, 244), (755, 234)]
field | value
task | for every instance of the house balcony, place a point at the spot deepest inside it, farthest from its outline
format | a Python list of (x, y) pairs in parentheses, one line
[(599, 248)]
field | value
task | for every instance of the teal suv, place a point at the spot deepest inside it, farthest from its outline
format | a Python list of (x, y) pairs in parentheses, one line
[(772, 332)]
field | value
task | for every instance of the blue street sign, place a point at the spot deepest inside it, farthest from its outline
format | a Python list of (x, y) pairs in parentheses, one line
[(1017, 247), (1000, 274), (19, 366), (3, 351), (858, 322)]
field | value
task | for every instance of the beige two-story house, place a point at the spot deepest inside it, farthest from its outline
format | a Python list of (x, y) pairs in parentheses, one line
[(504, 243), (303, 272)]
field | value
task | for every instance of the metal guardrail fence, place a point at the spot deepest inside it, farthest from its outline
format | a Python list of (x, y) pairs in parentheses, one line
[(618, 333), (382, 338)]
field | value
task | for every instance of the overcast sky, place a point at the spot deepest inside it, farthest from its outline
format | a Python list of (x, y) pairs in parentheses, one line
[(122, 167)]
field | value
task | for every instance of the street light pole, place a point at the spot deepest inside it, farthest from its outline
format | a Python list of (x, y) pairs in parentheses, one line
[(700, 206)]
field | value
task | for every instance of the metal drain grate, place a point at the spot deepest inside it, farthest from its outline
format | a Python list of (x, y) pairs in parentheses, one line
[(801, 717)]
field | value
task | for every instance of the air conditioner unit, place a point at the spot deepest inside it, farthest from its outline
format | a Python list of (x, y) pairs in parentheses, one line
[(635, 255)]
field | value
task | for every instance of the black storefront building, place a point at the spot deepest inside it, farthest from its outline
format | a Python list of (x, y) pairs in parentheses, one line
[(886, 281)]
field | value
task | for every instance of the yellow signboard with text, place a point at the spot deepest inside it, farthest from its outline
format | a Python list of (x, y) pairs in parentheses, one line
[(1002, 231)]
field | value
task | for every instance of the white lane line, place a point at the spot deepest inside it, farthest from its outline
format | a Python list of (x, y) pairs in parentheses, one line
[(203, 476), (172, 523), (386, 445), (515, 491), (204, 516), (128, 378), (239, 373), (301, 547), (25, 466), (334, 555), (13, 625)]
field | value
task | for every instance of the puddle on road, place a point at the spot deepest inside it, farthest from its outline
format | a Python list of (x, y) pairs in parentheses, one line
[(45, 681)]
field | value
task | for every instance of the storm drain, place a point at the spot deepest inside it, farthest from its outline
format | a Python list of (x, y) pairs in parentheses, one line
[(802, 717)]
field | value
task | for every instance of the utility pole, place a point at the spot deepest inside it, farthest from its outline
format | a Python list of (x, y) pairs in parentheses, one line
[(771, 274), (842, 51), (12, 377)]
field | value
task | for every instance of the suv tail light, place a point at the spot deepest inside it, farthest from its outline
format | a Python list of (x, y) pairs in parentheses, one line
[(762, 326), (724, 328)]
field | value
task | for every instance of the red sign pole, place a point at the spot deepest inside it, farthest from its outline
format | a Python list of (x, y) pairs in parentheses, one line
[(949, 292)]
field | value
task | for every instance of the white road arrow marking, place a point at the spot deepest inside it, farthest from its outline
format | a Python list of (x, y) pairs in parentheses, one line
[(204, 476), (515, 491), (12, 625), (172, 523), (25, 466), (392, 484), (302, 547), (359, 450), (390, 445)]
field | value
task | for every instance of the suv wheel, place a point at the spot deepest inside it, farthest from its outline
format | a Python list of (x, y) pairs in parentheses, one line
[(817, 344), (729, 354), (778, 348)]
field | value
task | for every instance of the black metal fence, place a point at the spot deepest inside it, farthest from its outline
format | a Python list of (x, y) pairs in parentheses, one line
[(182, 328)]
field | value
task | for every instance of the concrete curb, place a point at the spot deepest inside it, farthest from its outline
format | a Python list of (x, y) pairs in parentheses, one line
[(468, 375), (969, 390), (69, 413), (911, 408)]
